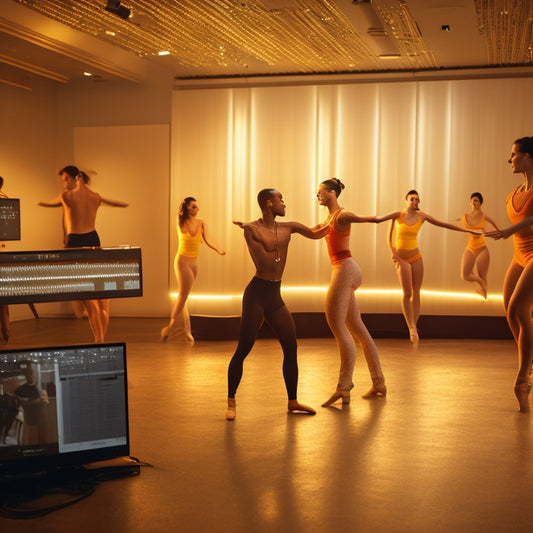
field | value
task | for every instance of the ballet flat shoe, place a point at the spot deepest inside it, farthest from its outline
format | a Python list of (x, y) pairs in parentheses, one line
[(231, 413), (296, 407)]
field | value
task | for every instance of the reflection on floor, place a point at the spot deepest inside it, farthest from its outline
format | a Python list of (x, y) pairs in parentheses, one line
[(447, 450)]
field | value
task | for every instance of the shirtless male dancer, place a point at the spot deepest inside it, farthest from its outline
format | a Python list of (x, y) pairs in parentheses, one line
[(80, 206), (268, 242)]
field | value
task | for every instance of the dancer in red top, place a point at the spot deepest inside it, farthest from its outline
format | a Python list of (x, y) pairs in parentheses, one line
[(342, 310), (518, 284)]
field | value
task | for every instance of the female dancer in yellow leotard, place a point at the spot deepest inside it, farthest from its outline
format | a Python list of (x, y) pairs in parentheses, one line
[(476, 253), (407, 258), (191, 232), (518, 284)]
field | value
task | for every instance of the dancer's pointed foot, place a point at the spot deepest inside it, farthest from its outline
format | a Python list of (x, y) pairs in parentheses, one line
[(413, 335), (232, 411), (338, 394), (378, 390), (165, 334), (296, 407), (483, 287), (521, 391), (185, 337), (168, 333)]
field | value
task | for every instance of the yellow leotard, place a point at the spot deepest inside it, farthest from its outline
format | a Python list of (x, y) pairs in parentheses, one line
[(475, 242), (406, 235), (189, 244)]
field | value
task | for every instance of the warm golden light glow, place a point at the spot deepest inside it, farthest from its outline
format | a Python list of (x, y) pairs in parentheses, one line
[(367, 292)]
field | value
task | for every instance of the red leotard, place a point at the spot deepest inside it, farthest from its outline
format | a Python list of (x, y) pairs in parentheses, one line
[(337, 241)]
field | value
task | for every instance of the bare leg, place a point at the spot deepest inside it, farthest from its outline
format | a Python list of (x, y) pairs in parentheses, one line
[(78, 308), (95, 321), (410, 276), (482, 264), (417, 271), (186, 271), (511, 279), (519, 306), (467, 269), (4, 322), (103, 307)]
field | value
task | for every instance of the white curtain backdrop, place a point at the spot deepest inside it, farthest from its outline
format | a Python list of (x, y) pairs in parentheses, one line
[(446, 139)]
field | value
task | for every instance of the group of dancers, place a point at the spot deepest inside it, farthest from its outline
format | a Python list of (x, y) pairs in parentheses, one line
[(267, 241)]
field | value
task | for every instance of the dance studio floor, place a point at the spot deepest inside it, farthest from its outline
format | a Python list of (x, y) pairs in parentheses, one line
[(446, 451)]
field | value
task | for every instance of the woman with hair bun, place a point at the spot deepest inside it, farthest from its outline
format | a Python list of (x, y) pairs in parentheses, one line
[(407, 257), (476, 253), (342, 310), (518, 284), (191, 233)]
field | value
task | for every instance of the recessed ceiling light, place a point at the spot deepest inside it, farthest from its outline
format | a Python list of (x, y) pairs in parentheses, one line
[(88, 74), (389, 56), (110, 33), (163, 53)]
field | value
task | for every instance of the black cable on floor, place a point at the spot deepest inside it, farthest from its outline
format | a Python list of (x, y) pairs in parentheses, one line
[(29, 496)]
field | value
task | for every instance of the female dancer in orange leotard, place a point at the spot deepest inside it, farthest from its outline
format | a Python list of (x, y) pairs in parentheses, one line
[(342, 310), (518, 284), (407, 257), (476, 253)]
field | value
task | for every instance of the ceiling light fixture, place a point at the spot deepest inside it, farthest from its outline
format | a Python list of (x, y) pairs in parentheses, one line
[(113, 6), (365, 19)]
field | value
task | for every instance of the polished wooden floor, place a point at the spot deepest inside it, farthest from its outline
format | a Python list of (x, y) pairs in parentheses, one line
[(446, 451)]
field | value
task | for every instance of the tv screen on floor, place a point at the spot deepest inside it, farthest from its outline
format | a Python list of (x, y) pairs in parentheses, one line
[(62, 406)]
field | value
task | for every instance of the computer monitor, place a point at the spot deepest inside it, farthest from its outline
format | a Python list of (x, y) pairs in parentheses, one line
[(62, 406), (9, 219)]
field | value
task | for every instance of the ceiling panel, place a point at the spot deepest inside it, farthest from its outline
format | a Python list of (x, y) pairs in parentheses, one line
[(229, 38)]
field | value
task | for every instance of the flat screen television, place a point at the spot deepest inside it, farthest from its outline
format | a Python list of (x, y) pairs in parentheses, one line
[(62, 406), (9, 219)]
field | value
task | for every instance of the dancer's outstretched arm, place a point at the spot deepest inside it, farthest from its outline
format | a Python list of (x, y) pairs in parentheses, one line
[(347, 217), (113, 203), (53, 203), (447, 225), (212, 246), (316, 232), (507, 232)]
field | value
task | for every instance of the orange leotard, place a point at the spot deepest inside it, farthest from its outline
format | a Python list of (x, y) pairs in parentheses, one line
[(337, 241), (475, 242), (523, 239)]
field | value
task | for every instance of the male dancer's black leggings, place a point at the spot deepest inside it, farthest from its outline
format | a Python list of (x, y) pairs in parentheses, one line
[(262, 301)]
